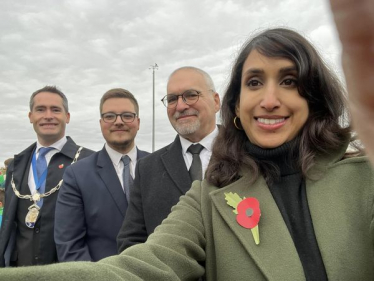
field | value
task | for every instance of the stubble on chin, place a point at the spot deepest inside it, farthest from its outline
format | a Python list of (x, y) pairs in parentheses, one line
[(186, 127), (121, 145)]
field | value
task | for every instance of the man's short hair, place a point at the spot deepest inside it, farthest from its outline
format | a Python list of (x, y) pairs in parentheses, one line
[(7, 162), (53, 90), (119, 93)]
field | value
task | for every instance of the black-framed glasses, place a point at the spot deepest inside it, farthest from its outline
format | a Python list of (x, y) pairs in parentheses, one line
[(188, 97), (111, 117)]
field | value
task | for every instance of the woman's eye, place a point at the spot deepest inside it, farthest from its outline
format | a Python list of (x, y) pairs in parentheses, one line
[(289, 82), (253, 83)]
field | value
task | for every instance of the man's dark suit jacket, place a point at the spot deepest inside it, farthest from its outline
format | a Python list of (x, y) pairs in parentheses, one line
[(42, 247), (160, 179), (90, 209)]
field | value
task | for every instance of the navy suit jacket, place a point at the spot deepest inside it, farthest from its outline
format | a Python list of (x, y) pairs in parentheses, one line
[(160, 179), (90, 209), (19, 169)]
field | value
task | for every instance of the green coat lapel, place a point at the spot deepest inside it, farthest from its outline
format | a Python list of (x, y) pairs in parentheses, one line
[(276, 248)]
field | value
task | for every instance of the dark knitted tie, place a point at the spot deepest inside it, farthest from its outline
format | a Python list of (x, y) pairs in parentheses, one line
[(196, 170)]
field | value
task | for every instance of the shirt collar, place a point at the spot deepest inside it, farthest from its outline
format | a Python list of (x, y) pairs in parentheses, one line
[(207, 142), (115, 156), (58, 145)]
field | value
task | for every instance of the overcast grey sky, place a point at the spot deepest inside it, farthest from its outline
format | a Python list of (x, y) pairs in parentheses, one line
[(86, 47)]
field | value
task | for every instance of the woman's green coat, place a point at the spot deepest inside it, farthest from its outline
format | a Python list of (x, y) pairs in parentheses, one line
[(201, 235)]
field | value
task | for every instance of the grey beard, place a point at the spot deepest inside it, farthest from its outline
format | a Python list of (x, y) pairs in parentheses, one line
[(187, 128)]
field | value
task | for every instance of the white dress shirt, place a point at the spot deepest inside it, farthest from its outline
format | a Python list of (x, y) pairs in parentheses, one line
[(115, 156)]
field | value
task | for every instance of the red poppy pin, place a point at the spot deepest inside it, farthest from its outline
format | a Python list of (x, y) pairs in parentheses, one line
[(248, 212), (60, 166)]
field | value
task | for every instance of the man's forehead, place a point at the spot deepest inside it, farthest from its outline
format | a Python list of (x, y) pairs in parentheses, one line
[(47, 96), (47, 102), (119, 103), (185, 79), (47, 99)]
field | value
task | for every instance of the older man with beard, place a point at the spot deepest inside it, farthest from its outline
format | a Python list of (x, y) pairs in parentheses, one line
[(165, 175)]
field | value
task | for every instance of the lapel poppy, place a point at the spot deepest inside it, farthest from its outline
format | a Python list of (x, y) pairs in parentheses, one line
[(248, 212)]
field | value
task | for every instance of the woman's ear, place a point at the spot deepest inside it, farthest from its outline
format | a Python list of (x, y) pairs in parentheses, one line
[(237, 111)]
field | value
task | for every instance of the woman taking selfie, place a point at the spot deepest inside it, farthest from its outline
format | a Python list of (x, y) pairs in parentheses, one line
[(284, 144), (282, 198)]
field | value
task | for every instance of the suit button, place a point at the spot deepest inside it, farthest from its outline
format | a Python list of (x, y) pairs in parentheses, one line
[(37, 230), (36, 257)]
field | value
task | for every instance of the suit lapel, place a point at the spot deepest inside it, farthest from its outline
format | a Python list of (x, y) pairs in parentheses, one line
[(141, 154), (58, 163), (275, 264), (323, 217), (69, 149), (22, 161), (21, 167), (176, 167), (109, 176)]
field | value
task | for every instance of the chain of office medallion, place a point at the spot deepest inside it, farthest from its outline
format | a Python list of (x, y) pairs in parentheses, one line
[(53, 190)]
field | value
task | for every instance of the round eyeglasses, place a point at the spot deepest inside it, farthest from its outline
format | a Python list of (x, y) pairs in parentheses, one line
[(111, 117), (188, 97)]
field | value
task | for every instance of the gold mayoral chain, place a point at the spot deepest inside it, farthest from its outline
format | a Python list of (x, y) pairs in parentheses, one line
[(34, 209)]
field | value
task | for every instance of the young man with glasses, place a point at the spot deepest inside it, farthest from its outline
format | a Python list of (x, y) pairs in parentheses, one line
[(161, 178), (94, 197), (33, 181)]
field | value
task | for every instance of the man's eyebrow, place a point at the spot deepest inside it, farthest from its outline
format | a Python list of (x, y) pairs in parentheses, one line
[(45, 106)]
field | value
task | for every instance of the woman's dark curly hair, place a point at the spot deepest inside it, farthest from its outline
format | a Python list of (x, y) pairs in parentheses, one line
[(322, 131)]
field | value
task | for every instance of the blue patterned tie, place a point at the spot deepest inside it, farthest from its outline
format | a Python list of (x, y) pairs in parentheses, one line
[(41, 166), (127, 178)]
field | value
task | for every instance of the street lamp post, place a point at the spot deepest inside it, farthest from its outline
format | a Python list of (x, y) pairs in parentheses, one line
[(153, 67)]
